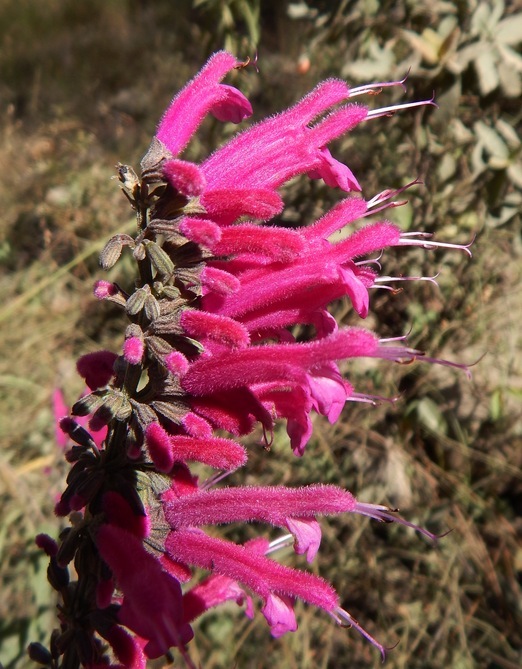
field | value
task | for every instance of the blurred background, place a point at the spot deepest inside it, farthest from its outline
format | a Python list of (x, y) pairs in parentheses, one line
[(82, 86)]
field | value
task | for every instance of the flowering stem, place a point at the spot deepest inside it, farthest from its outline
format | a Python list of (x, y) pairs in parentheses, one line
[(209, 352)]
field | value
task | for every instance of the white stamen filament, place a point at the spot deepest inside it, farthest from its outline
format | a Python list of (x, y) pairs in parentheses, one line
[(389, 193), (408, 239), (387, 111), (375, 88), (431, 279), (282, 542), (374, 400)]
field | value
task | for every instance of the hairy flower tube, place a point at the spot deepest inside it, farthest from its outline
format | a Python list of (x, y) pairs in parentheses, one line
[(210, 352)]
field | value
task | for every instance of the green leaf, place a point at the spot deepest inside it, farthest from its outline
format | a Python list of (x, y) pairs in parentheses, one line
[(495, 405), (515, 174), (510, 57), (486, 69), (509, 30), (508, 133), (480, 20), (491, 140), (430, 416), (509, 80)]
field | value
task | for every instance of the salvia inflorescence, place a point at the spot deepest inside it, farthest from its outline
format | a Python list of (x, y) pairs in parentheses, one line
[(209, 353)]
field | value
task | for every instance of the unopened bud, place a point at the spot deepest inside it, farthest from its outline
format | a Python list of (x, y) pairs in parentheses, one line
[(47, 544), (57, 576), (104, 289), (133, 350), (76, 432), (40, 654)]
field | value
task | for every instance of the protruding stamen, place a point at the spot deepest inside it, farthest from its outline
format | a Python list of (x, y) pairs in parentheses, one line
[(394, 291), (344, 619), (282, 542), (399, 354), (371, 261), (448, 363), (405, 355), (389, 111), (388, 194), (375, 88), (383, 514), (408, 239), (248, 61), (214, 480), (431, 279), (386, 340), (374, 400)]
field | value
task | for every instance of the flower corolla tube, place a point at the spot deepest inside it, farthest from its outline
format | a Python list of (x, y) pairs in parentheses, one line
[(208, 354)]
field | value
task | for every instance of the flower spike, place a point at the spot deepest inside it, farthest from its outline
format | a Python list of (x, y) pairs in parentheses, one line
[(229, 329)]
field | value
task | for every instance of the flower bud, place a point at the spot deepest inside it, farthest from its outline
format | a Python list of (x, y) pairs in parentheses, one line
[(39, 653)]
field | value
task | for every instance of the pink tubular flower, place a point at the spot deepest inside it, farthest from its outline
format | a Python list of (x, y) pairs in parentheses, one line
[(140, 578), (259, 573), (202, 95), (212, 592), (126, 648), (293, 508), (133, 350), (209, 352), (96, 368), (60, 410)]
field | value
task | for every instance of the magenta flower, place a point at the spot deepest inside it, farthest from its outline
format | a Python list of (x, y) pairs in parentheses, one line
[(210, 351), (140, 578)]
